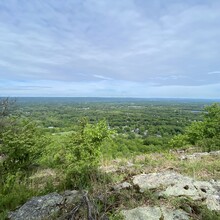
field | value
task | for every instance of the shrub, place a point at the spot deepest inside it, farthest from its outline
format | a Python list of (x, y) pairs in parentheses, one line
[(205, 134), (13, 192), (79, 153), (22, 144), (178, 141)]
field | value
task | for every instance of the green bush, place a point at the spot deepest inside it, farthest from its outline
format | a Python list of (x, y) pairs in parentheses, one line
[(178, 141), (205, 134), (84, 153), (209, 144), (79, 153), (151, 140), (22, 144), (13, 192)]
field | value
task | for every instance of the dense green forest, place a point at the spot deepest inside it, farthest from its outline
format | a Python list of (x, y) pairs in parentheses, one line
[(142, 125), (73, 137)]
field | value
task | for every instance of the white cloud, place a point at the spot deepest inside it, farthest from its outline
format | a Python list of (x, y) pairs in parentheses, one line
[(171, 43), (105, 88), (102, 77), (213, 72)]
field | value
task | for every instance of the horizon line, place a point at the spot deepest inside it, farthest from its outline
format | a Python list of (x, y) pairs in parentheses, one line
[(109, 97)]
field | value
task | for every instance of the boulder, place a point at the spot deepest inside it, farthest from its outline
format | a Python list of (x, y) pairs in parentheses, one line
[(174, 184), (157, 180), (154, 213), (42, 207), (193, 189)]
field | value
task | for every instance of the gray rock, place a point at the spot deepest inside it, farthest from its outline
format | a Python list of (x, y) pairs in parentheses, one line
[(124, 185), (182, 189), (154, 213), (156, 180), (213, 202), (70, 197), (205, 188), (197, 190), (196, 156), (194, 189), (174, 184), (140, 213), (42, 207), (178, 214)]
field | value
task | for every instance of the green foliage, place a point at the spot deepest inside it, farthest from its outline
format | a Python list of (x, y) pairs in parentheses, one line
[(122, 146), (209, 144), (84, 151), (204, 133), (151, 140), (79, 153), (212, 121), (194, 132), (116, 216), (76, 151), (156, 143), (13, 193), (22, 144), (178, 141), (130, 117)]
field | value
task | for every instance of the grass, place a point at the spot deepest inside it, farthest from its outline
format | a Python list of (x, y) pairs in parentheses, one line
[(195, 209), (203, 169), (14, 196), (206, 168), (109, 202)]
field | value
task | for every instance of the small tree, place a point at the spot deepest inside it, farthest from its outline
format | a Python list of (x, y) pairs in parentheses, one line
[(83, 152), (205, 134), (21, 145), (212, 121), (6, 107)]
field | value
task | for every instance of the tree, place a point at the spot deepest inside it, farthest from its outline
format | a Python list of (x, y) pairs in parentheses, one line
[(195, 132), (83, 152), (21, 144), (79, 154), (204, 133), (212, 121), (6, 107)]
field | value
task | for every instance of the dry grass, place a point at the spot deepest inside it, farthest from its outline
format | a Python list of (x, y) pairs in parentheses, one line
[(43, 177), (204, 168)]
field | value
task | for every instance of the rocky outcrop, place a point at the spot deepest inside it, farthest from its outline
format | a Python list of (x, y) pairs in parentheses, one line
[(157, 180), (197, 156), (164, 184), (154, 213), (174, 184), (42, 207)]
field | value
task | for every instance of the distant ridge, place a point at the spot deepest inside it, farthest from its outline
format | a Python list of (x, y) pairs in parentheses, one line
[(109, 99)]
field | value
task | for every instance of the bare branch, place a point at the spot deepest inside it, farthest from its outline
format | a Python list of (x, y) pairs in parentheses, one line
[(89, 208), (6, 106)]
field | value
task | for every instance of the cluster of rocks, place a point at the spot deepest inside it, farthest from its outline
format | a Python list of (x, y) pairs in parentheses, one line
[(168, 184), (198, 155), (175, 184), (172, 184), (154, 213)]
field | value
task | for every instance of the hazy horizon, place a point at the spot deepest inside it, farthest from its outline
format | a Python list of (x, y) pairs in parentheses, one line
[(104, 48), (109, 98)]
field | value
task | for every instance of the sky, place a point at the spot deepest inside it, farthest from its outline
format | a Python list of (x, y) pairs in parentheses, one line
[(110, 48)]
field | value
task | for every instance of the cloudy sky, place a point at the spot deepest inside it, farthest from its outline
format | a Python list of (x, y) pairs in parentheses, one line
[(126, 48)]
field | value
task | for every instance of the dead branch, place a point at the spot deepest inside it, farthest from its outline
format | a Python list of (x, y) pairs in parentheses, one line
[(89, 207)]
